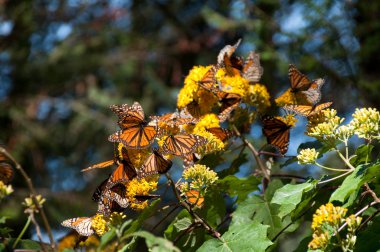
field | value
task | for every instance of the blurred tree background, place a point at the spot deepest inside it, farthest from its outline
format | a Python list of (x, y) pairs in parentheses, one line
[(62, 63)]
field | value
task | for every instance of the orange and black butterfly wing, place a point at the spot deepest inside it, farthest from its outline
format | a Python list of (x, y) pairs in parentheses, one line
[(154, 164), (182, 144), (226, 53), (229, 102), (277, 133), (252, 70), (104, 164), (137, 137), (123, 173), (306, 110), (194, 109), (6, 170), (83, 225), (208, 81), (189, 160), (298, 81), (222, 134)]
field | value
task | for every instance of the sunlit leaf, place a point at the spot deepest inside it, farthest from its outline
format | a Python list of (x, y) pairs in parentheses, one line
[(249, 236)]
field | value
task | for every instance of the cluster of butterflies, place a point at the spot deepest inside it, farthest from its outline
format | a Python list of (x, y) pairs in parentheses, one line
[(305, 95), (138, 133), (250, 69)]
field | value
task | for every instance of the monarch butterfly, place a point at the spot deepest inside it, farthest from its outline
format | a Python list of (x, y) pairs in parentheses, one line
[(194, 109), (305, 110), (154, 164), (306, 92), (125, 170), (6, 170), (252, 70), (277, 133), (110, 199), (226, 53), (176, 118), (83, 225), (208, 81), (229, 101), (194, 198), (135, 131), (182, 144), (222, 134), (190, 159)]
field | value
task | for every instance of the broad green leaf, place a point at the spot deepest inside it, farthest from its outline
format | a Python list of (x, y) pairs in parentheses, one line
[(190, 241), (239, 187), (363, 155), (353, 182), (290, 196), (234, 167), (250, 236), (182, 224), (369, 239), (214, 208), (107, 238), (156, 244), (259, 209), (25, 244), (136, 224), (171, 231)]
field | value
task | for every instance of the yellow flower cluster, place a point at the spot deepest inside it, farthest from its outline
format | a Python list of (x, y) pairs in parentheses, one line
[(366, 123), (5, 190), (353, 222), (258, 96), (235, 84), (140, 187), (288, 119), (286, 98), (214, 143), (99, 224), (200, 176), (191, 92), (324, 125), (116, 218), (307, 156), (69, 241), (29, 203), (328, 214)]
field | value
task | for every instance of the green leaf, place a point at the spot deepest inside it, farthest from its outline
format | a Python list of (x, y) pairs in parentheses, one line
[(136, 224), (353, 182), (369, 239), (290, 196), (234, 167), (154, 243), (240, 187), (363, 155), (214, 208), (106, 238), (25, 244), (182, 224), (259, 209), (250, 236)]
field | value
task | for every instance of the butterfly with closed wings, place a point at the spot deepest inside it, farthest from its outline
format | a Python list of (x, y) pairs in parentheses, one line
[(277, 133)]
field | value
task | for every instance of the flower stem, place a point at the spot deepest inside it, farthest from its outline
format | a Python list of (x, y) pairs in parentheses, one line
[(334, 178), (330, 169), (346, 161), (22, 231)]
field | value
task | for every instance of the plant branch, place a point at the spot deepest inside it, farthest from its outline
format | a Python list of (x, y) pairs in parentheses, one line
[(189, 229), (165, 217), (38, 230), (370, 191), (330, 169), (33, 194), (255, 153), (334, 178), (346, 161), (188, 208), (357, 214)]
